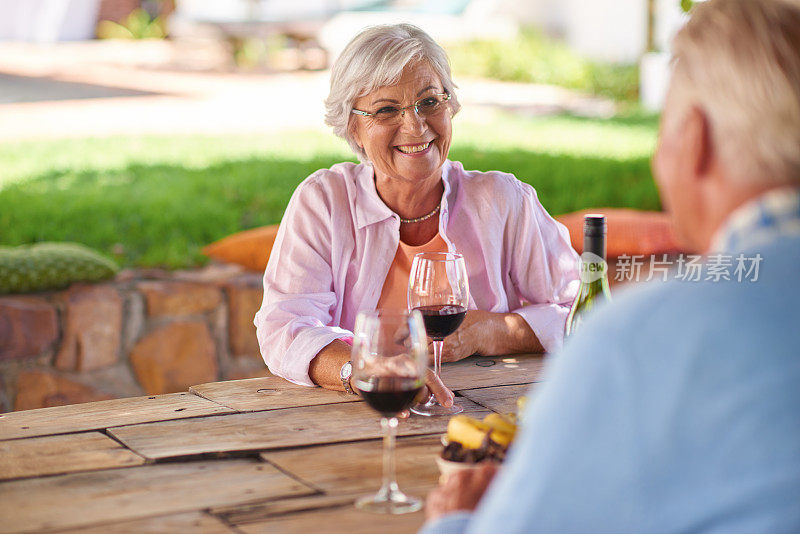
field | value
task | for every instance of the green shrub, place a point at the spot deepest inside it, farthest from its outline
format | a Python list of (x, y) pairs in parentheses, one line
[(533, 58), (137, 25)]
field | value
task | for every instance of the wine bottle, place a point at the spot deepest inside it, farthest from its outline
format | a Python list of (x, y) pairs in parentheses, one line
[(594, 272)]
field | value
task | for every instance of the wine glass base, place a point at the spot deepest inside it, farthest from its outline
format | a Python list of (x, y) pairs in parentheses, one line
[(396, 502), (434, 408)]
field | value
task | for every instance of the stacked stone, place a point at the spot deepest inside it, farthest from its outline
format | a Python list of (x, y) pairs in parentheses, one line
[(144, 333)]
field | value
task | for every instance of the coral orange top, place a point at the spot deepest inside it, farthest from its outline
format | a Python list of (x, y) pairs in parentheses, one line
[(395, 287)]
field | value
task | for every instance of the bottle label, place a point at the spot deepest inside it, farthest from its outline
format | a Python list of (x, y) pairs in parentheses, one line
[(593, 267)]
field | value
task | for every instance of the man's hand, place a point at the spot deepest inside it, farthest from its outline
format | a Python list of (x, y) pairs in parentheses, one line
[(460, 491)]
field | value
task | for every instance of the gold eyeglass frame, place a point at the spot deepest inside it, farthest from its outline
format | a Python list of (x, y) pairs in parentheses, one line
[(402, 110)]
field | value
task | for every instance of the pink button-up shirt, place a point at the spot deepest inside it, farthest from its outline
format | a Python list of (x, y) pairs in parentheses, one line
[(337, 241)]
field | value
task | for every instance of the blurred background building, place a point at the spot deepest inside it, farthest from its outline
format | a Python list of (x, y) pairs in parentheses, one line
[(310, 34)]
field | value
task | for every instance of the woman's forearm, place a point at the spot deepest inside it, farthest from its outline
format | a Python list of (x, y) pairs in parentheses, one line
[(325, 367), (509, 333), (490, 334)]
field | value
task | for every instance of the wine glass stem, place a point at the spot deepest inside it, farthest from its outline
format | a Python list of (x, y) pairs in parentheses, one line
[(389, 426), (437, 356)]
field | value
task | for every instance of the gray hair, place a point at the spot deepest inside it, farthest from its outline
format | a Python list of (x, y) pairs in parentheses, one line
[(375, 58), (739, 60)]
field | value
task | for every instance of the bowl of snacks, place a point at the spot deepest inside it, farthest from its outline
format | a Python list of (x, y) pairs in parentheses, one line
[(470, 441)]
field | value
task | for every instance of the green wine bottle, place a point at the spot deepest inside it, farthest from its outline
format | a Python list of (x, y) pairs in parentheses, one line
[(594, 272)]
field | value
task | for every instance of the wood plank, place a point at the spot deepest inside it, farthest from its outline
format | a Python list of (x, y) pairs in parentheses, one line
[(502, 399), (357, 468), (103, 414), (258, 512), (267, 393), (188, 522), (273, 429), (344, 519), (481, 371), (69, 453), (85, 499)]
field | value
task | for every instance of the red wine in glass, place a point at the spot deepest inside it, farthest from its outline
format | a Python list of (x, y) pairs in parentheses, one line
[(389, 395), (441, 320)]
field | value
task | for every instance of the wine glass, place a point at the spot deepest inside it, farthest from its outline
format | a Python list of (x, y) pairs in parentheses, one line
[(439, 289), (390, 359)]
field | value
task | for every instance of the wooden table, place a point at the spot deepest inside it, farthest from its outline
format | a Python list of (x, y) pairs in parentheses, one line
[(246, 456)]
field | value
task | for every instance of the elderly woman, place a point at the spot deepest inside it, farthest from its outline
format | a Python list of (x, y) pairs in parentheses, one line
[(349, 233)]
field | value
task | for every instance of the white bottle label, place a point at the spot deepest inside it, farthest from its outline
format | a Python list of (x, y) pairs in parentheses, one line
[(593, 267)]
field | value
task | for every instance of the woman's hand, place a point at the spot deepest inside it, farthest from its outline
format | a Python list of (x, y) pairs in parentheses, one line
[(461, 490), (490, 334), (470, 337), (433, 384)]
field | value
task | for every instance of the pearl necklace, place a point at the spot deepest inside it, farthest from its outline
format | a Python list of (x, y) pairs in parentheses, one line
[(424, 217)]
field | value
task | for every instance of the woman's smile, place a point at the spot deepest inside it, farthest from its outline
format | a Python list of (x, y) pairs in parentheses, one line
[(414, 150)]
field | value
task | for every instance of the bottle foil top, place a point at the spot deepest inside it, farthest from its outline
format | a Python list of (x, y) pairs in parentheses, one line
[(594, 225)]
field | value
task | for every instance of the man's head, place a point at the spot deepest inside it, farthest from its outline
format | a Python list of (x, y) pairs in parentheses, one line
[(731, 123)]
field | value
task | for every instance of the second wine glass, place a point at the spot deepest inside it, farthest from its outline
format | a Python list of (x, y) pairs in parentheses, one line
[(390, 359), (439, 289)]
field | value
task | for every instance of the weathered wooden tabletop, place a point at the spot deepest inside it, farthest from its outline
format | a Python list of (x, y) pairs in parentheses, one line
[(246, 456)]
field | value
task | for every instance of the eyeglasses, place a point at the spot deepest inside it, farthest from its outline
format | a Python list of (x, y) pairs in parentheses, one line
[(425, 107)]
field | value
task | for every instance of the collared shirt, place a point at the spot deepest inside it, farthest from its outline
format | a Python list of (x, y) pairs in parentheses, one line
[(675, 409), (760, 221), (338, 239)]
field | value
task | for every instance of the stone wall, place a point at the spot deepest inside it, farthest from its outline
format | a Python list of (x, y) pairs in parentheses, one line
[(143, 333)]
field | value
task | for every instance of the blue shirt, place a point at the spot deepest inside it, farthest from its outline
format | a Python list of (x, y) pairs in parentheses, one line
[(675, 409)]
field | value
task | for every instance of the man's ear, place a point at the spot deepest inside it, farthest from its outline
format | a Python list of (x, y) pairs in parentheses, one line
[(699, 143)]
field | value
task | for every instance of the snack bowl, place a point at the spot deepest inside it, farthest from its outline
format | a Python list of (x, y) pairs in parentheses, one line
[(470, 442), (448, 467)]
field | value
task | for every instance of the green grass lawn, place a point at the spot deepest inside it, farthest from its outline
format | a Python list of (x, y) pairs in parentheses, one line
[(155, 201)]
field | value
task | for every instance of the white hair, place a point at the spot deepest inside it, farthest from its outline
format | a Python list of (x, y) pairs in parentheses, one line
[(376, 58), (739, 60)]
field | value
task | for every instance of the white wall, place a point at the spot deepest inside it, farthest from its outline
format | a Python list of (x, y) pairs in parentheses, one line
[(47, 21), (669, 19), (549, 15), (610, 30)]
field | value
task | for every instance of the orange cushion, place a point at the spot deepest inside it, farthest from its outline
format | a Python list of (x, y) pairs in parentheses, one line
[(630, 232), (250, 248)]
